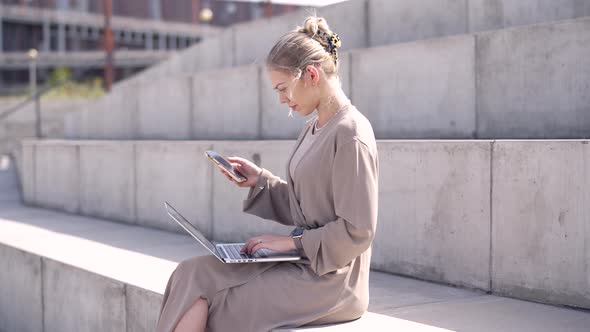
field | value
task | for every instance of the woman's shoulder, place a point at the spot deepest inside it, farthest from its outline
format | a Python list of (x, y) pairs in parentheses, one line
[(354, 126)]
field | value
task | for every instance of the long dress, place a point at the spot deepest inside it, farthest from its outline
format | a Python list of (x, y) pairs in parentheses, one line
[(333, 197)]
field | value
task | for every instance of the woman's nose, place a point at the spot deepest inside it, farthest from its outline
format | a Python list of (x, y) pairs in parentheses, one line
[(283, 100)]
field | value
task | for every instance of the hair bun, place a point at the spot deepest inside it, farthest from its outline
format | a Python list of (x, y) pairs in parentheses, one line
[(317, 28)]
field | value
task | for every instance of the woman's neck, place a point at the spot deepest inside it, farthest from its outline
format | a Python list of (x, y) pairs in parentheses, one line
[(333, 101)]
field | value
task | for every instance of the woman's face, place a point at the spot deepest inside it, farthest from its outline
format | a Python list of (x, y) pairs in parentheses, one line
[(301, 95)]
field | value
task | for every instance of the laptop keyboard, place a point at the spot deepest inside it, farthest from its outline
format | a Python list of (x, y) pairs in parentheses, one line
[(233, 251)]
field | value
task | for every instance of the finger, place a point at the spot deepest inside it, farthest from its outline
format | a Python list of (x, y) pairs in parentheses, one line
[(236, 160), (250, 244), (224, 172), (262, 245)]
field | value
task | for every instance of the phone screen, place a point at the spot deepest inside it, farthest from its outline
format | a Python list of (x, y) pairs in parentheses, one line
[(219, 160)]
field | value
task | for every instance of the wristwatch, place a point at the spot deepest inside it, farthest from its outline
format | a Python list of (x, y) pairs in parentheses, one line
[(296, 234)]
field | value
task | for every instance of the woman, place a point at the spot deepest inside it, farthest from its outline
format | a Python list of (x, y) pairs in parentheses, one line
[(330, 196)]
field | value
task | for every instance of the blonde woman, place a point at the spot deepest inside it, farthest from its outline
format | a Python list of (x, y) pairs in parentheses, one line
[(329, 197)]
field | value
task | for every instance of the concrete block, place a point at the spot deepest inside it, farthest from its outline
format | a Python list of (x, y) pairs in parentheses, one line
[(77, 300), (434, 211), (72, 124), (209, 54), (57, 177), (143, 309), (178, 173), (395, 21), (20, 291), (349, 20), (27, 172), (533, 81), (540, 213), (424, 89), (97, 127), (121, 113), (498, 14), (229, 223), (345, 72), (253, 40), (226, 104), (107, 180), (165, 108)]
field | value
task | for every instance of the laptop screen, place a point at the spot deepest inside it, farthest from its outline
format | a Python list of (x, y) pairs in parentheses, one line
[(190, 228)]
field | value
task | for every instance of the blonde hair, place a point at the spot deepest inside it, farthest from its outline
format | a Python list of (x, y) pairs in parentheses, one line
[(312, 44)]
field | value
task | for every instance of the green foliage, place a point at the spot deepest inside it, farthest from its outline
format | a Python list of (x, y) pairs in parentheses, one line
[(59, 74), (92, 88)]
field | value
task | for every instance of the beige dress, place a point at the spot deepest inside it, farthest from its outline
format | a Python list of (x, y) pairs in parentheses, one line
[(333, 196)]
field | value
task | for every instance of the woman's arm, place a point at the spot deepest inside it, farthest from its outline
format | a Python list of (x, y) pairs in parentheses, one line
[(269, 199), (355, 188)]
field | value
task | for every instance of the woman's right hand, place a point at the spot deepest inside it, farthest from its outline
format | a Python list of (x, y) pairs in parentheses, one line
[(246, 167)]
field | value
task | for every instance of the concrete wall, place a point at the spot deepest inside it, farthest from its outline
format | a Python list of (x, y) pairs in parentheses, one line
[(165, 108), (394, 21), (92, 302), (177, 173), (20, 291), (226, 104), (27, 172), (107, 180), (434, 215), (417, 90), (143, 309), (57, 176), (540, 221), (527, 82), (497, 14), (59, 297), (533, 82), (505, 216)]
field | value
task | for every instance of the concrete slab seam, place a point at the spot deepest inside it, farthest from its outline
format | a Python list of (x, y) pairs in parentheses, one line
[(491, 207), (126, 313), (191, 105), (126, 307), (34, 175), (42, 273), (135, 217), (78, 169), (259, 91)]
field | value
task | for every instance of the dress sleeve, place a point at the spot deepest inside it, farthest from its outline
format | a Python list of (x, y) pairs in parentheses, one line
[(355, 190), (269, 199)]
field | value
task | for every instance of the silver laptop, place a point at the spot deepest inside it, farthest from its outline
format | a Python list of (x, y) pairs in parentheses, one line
[(229, 252)]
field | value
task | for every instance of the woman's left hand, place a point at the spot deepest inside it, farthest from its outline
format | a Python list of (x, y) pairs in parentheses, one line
[(280, 243)]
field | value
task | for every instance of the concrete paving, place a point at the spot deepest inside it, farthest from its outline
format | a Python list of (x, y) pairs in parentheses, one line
[(90, 252)]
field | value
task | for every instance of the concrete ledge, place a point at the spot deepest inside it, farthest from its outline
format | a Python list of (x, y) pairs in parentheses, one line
[(110, 277), (435, 217)]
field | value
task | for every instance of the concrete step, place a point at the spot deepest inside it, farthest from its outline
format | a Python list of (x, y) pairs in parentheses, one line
[(375, 23), (500, 216), (9, 184), (58, 268), (524, 82)]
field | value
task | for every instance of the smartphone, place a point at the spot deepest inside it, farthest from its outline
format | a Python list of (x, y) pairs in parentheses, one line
[(220, 161)]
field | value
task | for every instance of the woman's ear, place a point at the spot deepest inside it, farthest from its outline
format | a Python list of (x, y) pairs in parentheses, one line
[(313, 74)]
